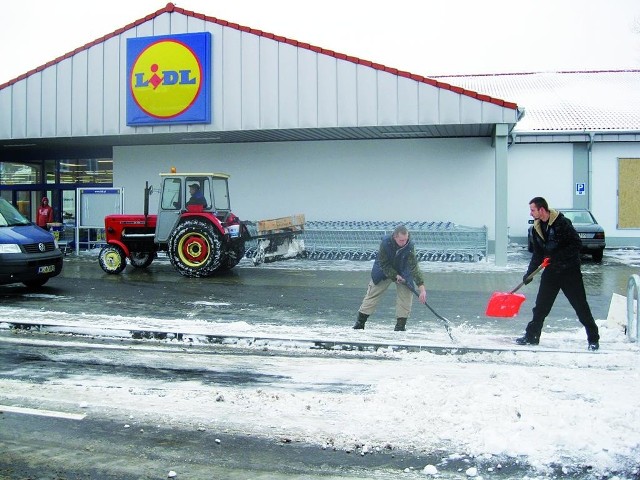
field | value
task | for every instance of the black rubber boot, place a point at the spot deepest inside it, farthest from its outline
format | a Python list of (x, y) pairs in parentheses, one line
[(527, 340), (401, 323), (362, 318)]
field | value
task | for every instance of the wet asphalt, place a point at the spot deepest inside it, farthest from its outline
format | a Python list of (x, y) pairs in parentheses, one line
[(306, 292), (296, 293)]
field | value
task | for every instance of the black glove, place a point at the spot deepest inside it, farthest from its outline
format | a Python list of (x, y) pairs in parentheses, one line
[(526, 280)]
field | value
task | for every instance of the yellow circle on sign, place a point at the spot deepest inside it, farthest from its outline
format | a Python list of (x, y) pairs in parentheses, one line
[(166, 79)]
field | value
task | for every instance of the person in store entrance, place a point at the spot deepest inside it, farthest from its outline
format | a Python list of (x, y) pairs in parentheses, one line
[(44, 214), (396, 263), (553, 236)]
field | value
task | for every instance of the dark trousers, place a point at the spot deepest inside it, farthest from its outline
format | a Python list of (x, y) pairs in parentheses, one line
[(571, 284)]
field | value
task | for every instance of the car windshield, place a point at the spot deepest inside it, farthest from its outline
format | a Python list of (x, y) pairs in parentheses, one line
[(10, 216), (579, 216)]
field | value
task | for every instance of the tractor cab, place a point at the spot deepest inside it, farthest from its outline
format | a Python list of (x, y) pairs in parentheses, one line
[(193, 193)]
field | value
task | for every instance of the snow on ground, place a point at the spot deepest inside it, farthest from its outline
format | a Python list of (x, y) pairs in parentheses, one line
[(557, 407), (575, 411)]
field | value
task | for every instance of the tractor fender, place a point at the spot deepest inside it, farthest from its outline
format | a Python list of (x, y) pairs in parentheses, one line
[(120, 244), (207, 216)]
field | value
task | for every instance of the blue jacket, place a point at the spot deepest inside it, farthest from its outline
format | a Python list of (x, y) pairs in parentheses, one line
[(393, 260), (197, 199)]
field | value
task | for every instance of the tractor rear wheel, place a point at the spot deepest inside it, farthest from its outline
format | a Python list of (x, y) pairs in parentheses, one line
[(195, 248), (112, 259), (141, 259)]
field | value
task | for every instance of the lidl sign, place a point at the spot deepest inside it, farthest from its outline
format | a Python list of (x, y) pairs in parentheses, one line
[(169, 79)]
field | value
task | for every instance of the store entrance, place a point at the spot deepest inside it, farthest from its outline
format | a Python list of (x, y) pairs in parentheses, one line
[(26, 178), (26, 201)]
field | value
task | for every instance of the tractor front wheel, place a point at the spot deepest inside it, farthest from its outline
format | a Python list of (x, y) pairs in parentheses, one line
[(112, 259), (195, 248)]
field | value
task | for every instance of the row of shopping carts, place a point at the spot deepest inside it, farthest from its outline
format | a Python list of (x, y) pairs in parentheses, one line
[(360, 240)]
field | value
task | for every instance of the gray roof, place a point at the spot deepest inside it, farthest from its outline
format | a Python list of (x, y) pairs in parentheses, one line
[(595, 101)]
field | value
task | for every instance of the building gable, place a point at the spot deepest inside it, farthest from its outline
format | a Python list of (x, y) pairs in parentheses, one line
[(265, 88)]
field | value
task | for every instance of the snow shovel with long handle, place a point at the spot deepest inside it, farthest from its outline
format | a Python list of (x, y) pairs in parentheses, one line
[(447, 323), (503, 304)]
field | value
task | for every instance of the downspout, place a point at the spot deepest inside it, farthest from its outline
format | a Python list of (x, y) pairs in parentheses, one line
[(590, 167)]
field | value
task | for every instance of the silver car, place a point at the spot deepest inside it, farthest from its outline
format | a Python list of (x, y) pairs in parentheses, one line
[(590, 232)]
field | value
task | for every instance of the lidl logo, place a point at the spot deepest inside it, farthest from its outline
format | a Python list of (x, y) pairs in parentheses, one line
[(168, 79)]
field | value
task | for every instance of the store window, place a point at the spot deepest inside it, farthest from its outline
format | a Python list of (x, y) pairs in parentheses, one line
[(86, 171), (19, 173), (25, 202), (24, 183), (50, 171)]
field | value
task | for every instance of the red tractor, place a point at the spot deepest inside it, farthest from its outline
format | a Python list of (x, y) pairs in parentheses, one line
[(194, 226)]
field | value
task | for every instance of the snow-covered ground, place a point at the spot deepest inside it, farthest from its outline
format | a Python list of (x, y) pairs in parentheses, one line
[(550, 411), (557, 408)]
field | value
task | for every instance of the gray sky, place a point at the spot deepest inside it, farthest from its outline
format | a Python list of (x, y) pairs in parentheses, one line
[(420, 36)]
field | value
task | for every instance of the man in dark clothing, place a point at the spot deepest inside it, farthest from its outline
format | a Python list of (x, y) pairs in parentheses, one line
[(553, 236), (197, 198), (396, 263)]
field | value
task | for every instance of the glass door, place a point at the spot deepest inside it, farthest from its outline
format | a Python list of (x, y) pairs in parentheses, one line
[(27, 203)]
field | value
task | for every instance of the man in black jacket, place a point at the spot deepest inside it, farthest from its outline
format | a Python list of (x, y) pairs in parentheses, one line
[(553, 236)]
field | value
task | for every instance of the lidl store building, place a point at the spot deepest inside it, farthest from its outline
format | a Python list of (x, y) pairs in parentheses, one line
[(298, 129)]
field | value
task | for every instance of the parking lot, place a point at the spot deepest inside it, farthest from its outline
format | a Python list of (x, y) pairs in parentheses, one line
[(233, 365)]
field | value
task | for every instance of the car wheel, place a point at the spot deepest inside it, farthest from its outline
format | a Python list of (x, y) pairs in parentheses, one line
[(597, 255), (112, 259)]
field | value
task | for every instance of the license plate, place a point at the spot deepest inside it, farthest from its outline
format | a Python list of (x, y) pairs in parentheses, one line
[(584, 235), (47, 269)]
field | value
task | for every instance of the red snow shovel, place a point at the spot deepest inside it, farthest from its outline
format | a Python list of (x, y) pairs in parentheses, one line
[(502, 304)]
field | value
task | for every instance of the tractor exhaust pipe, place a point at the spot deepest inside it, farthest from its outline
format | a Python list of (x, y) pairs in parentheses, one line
[(147, 193)]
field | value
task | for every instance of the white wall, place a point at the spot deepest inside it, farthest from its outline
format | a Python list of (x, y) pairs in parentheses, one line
[(547, 170), (538, 170), (403, 180), (605, 187)]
